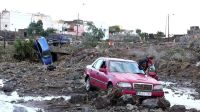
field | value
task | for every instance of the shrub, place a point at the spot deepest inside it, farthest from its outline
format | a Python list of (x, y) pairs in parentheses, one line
[(24, 49), (176, 54), (90, 42)]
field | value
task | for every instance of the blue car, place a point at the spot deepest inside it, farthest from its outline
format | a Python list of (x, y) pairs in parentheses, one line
[(43, 51)]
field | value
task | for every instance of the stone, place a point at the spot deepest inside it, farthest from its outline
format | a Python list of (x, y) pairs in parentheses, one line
[(135, 107), (177, 108), (101, 102), (163, 103), (19, 109), (8, 87), (129, 106), (79, 98), (192, 110), (156, 103), (150, 103)]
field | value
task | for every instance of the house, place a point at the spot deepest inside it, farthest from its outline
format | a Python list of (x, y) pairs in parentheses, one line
[(193, 30), (75, 27), (22, 33)]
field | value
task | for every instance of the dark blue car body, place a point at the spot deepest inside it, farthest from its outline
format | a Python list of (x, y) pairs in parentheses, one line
[(44, 52)]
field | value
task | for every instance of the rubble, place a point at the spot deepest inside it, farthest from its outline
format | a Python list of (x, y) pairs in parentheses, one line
[(31, 78), (177, 108), (156, 103), (101, 102)]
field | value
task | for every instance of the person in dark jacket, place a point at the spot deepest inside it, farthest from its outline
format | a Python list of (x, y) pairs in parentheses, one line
[(145, 63)]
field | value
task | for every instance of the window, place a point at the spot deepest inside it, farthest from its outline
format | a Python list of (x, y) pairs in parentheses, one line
[(124, 67), (25, 34), (103, 65), (98, 64), (46, 54)]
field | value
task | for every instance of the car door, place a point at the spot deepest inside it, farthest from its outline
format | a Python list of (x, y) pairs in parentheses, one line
[(94, 71), (102, 77)]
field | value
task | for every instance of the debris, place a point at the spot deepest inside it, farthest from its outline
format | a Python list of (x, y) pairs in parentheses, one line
[(177, 108)]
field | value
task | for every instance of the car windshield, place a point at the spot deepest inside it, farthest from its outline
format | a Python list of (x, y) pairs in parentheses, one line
[(125, 67)]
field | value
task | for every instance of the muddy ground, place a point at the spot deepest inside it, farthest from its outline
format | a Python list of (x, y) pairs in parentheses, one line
[(173, 63)]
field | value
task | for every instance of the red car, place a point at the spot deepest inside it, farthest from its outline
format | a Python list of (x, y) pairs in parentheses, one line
[(106, 73)]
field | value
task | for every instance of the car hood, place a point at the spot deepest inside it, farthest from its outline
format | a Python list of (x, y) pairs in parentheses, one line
[(134, 78), (47, 61)]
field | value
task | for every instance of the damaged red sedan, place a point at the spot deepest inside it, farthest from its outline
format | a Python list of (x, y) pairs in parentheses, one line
[(107, 73)]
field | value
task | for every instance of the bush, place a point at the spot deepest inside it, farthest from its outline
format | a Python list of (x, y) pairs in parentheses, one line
[(24, 49), (90, 42), (176, 54)]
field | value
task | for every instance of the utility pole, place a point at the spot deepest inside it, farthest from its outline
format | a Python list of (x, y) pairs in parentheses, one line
[(168, 25), (4, 39), (0, 21), (77, 27)]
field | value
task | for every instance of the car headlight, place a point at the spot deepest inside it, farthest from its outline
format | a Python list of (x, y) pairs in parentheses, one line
[(124, 84), (157, 87)]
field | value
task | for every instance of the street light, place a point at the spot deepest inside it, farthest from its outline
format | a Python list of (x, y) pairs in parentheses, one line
[(168, 24), (78, 23), (4, 39), (0, 21)]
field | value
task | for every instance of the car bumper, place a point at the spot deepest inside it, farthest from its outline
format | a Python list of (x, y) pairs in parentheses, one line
[(152, 93)]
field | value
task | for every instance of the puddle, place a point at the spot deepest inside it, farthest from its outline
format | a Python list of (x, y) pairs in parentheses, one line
[(7, 105), (15, 97), (8, 102), (181, 96)]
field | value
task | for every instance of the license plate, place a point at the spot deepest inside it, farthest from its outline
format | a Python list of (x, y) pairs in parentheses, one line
[(144, 93)]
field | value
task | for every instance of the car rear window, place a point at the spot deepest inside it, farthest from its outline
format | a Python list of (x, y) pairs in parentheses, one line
[(124, 67)]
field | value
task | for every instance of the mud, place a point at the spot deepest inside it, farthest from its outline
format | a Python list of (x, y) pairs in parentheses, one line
[(43, 87)]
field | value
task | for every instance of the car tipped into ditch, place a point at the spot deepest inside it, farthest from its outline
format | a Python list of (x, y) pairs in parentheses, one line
[(109, 73)]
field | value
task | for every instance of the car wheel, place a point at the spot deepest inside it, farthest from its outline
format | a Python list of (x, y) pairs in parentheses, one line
[(87, 84), (109, 89)]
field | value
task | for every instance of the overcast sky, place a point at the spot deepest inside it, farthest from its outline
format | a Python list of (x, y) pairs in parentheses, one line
[(148, 15)]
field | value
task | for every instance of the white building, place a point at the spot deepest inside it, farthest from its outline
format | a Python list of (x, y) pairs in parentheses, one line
[(58, 25), (14, 20), (5, 20), (46, 20), (104, 27)]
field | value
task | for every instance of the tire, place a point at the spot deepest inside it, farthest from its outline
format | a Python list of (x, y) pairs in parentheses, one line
[(88, 85), (109, 89)]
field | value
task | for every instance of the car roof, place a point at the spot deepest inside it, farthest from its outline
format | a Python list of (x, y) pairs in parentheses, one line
[(116, 59)]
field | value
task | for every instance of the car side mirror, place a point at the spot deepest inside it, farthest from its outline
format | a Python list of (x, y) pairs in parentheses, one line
[(103, 70)]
